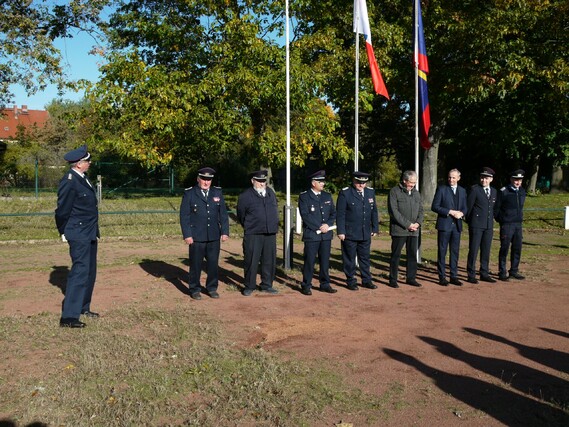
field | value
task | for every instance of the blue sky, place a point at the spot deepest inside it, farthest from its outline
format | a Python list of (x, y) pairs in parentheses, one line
[(78, 64)]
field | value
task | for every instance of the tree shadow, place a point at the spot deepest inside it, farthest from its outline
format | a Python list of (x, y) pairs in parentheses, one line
[(58, 277), (505, 406), (10, 423), (556, 332), (546, 356), (523, 378), (169, 272)]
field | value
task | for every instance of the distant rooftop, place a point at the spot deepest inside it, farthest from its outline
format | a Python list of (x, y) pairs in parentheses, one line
[(11, 118)]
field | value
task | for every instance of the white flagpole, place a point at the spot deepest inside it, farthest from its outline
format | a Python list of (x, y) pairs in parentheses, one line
[(357, 92), (416, 65), (288, 208)]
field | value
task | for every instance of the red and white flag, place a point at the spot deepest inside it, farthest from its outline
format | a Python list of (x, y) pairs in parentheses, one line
[(361, 26)]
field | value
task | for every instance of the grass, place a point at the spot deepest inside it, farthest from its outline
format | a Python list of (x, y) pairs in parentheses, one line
[(156, 367)]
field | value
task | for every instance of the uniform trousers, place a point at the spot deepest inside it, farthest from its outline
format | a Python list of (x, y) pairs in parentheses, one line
[(479, 239), (411, 243), (510, 234), (259, 248), (444, 240), (81, 278), (311, 249), (361, 248), (199, 251)]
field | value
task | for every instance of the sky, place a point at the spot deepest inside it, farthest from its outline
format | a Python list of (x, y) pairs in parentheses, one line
[(78, 65)]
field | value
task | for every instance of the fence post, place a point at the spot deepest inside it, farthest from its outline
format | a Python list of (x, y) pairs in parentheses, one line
[(99, 189), (566, 217)]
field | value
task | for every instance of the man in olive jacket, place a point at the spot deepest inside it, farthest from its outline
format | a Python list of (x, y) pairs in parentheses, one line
[(405, 219)]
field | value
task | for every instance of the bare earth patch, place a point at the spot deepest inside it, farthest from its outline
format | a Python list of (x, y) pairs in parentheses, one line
[(479, 355)]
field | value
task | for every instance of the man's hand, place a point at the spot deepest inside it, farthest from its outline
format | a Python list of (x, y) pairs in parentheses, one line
[(341, 236), (224, 237), (324, 228), (189, 240)]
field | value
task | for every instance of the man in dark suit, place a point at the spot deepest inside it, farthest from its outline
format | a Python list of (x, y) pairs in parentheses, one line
[(258, 213), (358, 221), (450, 205), (77, 220), (509, 212), (480, 219), (318, 215), (204, 222)]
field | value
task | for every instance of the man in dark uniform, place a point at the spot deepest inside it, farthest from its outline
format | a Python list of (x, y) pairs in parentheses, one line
[(480, 219), (318, 215), (77, 220), (204, 222), (405, 220), (450, 205), (357, 220), (258, 213), (509, 211)]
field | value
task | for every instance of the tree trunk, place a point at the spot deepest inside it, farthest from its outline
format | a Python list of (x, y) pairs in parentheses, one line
[(429, 180), (534, 176), (557, 182)]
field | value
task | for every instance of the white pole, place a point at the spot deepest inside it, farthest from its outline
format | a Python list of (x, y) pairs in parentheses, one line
[(287, 219), (566, 217), (357, 93), (416, 61)]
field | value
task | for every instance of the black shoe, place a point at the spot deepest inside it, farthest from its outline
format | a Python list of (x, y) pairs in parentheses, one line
[(196, 295), (413, 282), (473, 280), (271, 291), (70, 322), (517, 276), (503, 278), (306, 291), (90, 314), (393, 285), (369, 286), (328, 290), (443, 282), (487, 279), (247, 292), (213, 294), (455, 281), (353, 287)]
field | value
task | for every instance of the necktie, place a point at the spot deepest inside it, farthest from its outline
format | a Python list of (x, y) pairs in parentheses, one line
[(88, 182), (205, 193), (361, 193), (453, 190), (488, 192)]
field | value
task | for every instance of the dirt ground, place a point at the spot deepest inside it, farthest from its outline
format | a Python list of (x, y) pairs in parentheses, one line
[(476, 355)]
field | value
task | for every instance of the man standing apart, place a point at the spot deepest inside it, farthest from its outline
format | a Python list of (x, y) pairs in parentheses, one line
[(450, 205), (257, 211), (480, 218), (204, 222), (318, 215), (509, 213), (77, 220), (357, 221), (405, 219)]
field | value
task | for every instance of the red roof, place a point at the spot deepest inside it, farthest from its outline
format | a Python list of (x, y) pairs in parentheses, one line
[(11, 118)]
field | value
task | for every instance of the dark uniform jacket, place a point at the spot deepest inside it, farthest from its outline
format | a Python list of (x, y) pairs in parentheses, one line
[(445, 201), (316, 211), (201, 219), (76, 214), (357, 219), (509, 205), (480, 208), (257, 214), (404, 209)]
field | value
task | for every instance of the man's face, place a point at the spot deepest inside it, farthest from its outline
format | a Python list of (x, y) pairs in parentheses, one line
[(259, 185), (485, 180), (359, 185), (318, 185), (204, 183), (84, 165), (453, 178), (410, 183), (516, 182)]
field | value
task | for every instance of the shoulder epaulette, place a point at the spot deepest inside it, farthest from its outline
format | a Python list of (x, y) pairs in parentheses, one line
[(304, 192), (70, 176), (371, 188), (219, 188), (345, 188), (189, 188), (503, 189)]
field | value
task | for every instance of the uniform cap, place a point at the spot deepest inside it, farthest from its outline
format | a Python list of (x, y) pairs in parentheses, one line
[(206, 173), (318, 176), (487, 172), (259, 175), (361, 176), (80, 153), (518, 174)]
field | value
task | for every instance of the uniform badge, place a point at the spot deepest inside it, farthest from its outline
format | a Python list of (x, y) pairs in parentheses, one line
[(312, 208), (216, 199)]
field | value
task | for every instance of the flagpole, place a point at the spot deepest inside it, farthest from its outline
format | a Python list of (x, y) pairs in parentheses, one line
[(288, 208), (416, 64), (357, 93)]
